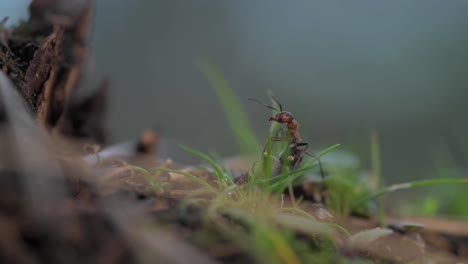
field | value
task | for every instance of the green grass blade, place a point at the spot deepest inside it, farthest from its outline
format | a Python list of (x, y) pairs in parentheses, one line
[(267, 156), (312, 161), (408, 185), (287, 178), (218, 171), (191, 176), (377, 173), (237, 118)]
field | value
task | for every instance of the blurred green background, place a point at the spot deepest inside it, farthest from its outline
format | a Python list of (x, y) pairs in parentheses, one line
[(342, 68)]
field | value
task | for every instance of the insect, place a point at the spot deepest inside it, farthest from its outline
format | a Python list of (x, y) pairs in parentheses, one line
[(297, 147)]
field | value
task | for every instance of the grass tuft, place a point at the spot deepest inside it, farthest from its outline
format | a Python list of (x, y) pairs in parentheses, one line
[(219, 172), (151, 180)]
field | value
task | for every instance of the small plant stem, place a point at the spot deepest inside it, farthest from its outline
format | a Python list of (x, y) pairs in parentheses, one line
[(377, 173), (291, 194)]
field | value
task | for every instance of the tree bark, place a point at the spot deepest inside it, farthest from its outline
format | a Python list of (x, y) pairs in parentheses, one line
[(46, 58)]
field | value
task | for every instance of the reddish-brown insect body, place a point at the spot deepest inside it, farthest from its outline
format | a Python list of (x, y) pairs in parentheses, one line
[(291, 124), (298, 148)]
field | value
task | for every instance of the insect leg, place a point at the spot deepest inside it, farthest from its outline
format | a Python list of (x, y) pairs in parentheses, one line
[(322, 175)]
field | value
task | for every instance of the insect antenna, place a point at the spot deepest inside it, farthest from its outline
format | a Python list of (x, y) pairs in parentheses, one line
[(279, 104), (269, 106)]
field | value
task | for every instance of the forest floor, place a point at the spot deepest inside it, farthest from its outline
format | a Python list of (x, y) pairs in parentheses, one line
[(67, 197)]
